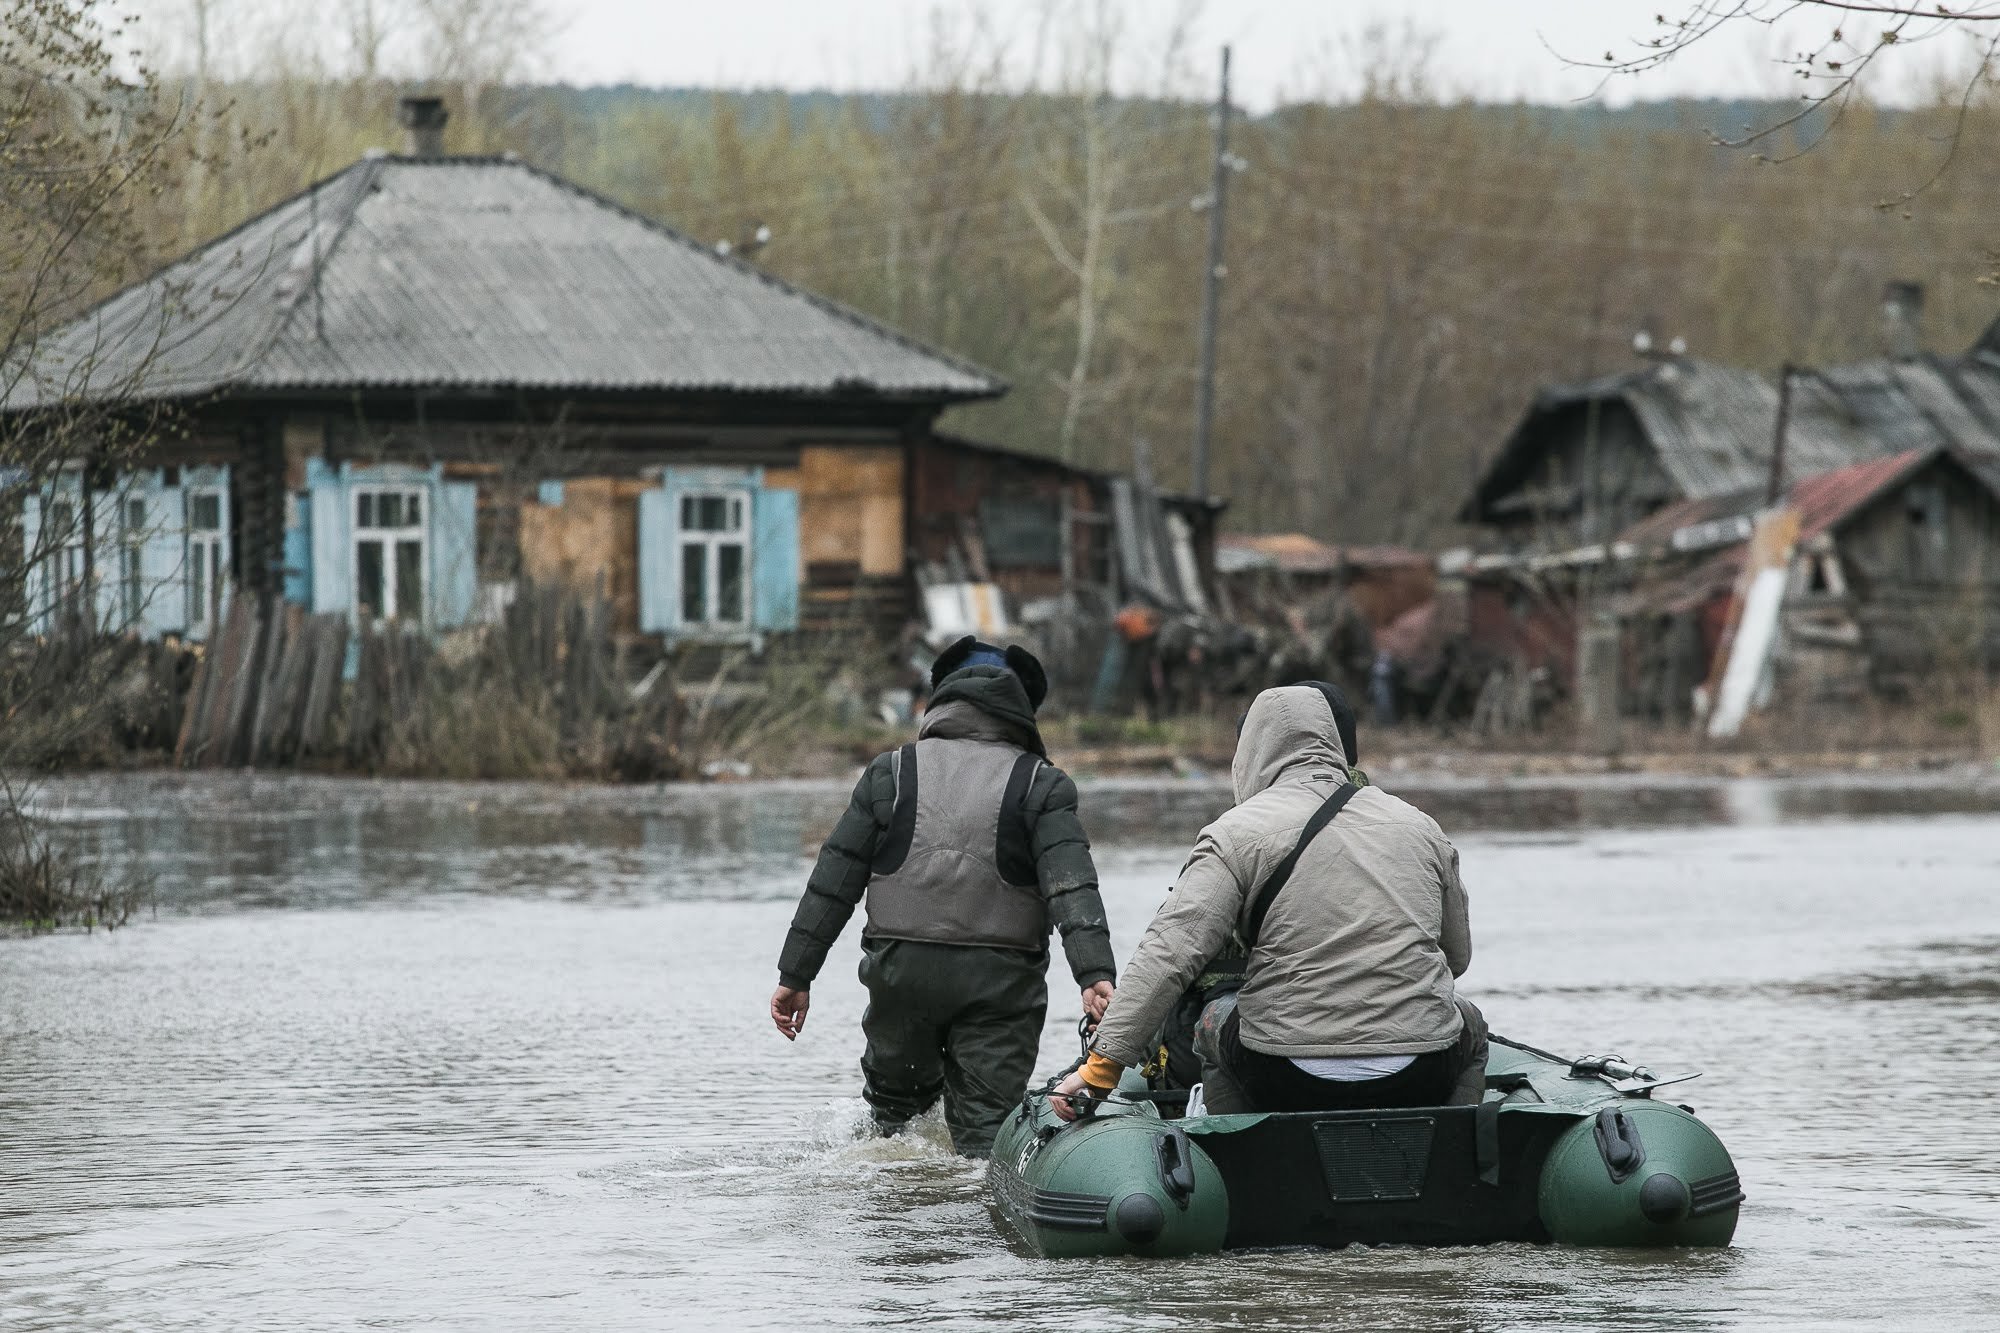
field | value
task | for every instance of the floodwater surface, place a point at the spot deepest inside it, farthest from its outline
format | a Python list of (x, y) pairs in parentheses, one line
[(477, 1057)]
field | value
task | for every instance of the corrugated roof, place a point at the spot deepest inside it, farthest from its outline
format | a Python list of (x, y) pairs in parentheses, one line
[(474, 273), (1823, 500), (1712, 426)]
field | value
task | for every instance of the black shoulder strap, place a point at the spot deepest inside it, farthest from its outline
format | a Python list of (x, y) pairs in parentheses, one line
[(895, 844), (1268, 894), (1014, 852)]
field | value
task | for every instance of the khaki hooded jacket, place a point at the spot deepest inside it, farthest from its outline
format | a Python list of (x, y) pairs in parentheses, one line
[(1358, 952)]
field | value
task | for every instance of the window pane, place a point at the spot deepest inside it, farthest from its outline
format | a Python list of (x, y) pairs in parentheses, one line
[(364, 510), (368, 577), (413, 514), (729, 581), (215, 583), (409, 580), (389, 510), (694, 585), (713, 513), (687, 512), (135, 517), (736, 515)]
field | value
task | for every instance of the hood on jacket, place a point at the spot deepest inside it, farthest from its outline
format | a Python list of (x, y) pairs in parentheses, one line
[(1290, 727), (983, 703)]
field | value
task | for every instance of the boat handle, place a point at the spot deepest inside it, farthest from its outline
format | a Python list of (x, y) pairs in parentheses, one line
[(1618, 1142), (1176, 1158)]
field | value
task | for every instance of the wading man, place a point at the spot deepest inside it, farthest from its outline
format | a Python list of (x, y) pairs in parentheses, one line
[(1349, 904), (967, 848)]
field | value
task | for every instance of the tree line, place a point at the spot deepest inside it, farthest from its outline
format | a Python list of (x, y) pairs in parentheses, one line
[(1403, 269)]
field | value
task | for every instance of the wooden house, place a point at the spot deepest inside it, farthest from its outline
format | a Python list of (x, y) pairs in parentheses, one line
[(1896, 576), (428, 378), (1588, 460)]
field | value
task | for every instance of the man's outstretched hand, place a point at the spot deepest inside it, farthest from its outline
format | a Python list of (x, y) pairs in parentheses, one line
[(788, 1011), (1096, 999)]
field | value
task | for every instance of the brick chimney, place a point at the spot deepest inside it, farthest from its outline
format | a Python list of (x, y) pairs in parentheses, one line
[(423, 119), (1903, 319)]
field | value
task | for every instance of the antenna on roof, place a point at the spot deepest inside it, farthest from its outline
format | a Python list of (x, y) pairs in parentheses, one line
[(1646, 343), (754, 240)]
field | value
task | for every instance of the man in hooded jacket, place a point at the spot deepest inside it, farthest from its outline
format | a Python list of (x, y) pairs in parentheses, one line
[(1348, 998), (968, 849)]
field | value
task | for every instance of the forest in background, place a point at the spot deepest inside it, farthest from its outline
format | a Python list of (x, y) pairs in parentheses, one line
[(1403, 270)]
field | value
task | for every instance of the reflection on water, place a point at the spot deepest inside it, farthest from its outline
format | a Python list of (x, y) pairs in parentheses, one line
[(495, 1057)]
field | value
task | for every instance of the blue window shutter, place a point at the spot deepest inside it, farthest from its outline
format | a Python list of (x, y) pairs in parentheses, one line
[(298, 549), (774, 560), (163, 560), (656, 550), (31, 536), (331, 590), (454, 553)]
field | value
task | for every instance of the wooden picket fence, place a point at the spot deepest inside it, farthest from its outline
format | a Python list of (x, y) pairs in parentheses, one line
[(267, 689), (270, 689)]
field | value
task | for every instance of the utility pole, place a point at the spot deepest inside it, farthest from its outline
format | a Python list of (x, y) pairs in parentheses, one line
[(1211, 288), (1774, 490)]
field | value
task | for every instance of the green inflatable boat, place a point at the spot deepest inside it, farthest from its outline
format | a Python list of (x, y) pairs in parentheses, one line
[(1578, 1152)]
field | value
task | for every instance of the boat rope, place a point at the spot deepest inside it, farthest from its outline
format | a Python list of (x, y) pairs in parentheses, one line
[(1499, 1040)]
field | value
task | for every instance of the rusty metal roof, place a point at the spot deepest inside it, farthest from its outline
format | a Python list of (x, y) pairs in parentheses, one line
[(476, 273), (1824, 501)]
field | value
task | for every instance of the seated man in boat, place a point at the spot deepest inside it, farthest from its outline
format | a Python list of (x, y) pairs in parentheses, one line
[(1350, 905), (968, 849)]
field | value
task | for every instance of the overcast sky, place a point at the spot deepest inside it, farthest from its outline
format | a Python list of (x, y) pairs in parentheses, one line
[(1489, 49)]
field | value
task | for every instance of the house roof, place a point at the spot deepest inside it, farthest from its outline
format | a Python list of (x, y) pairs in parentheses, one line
[(475, 273), (1712, 426), (1824, 501)]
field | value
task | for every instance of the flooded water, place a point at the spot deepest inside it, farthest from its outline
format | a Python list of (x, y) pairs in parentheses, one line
[(497, 1057)]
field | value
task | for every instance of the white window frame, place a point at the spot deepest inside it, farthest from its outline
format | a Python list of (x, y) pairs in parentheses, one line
[(207, 562), (737, 502), (64, 588), (389, 539), (132, 591)]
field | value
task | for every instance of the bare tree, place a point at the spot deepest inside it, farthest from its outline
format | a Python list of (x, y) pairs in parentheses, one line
[(478, 44), (85, 153), (1086, 145), (1853, 36)]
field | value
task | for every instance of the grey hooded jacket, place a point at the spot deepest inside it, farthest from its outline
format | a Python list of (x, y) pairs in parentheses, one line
[(983, 707), (1357, 954)]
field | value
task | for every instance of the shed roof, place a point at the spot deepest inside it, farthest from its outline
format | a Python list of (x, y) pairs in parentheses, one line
[(475, 273), (1824, 501), (1712, 426)]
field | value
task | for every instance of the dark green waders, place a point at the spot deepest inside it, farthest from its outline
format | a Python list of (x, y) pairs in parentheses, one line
[(958, 1020)]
